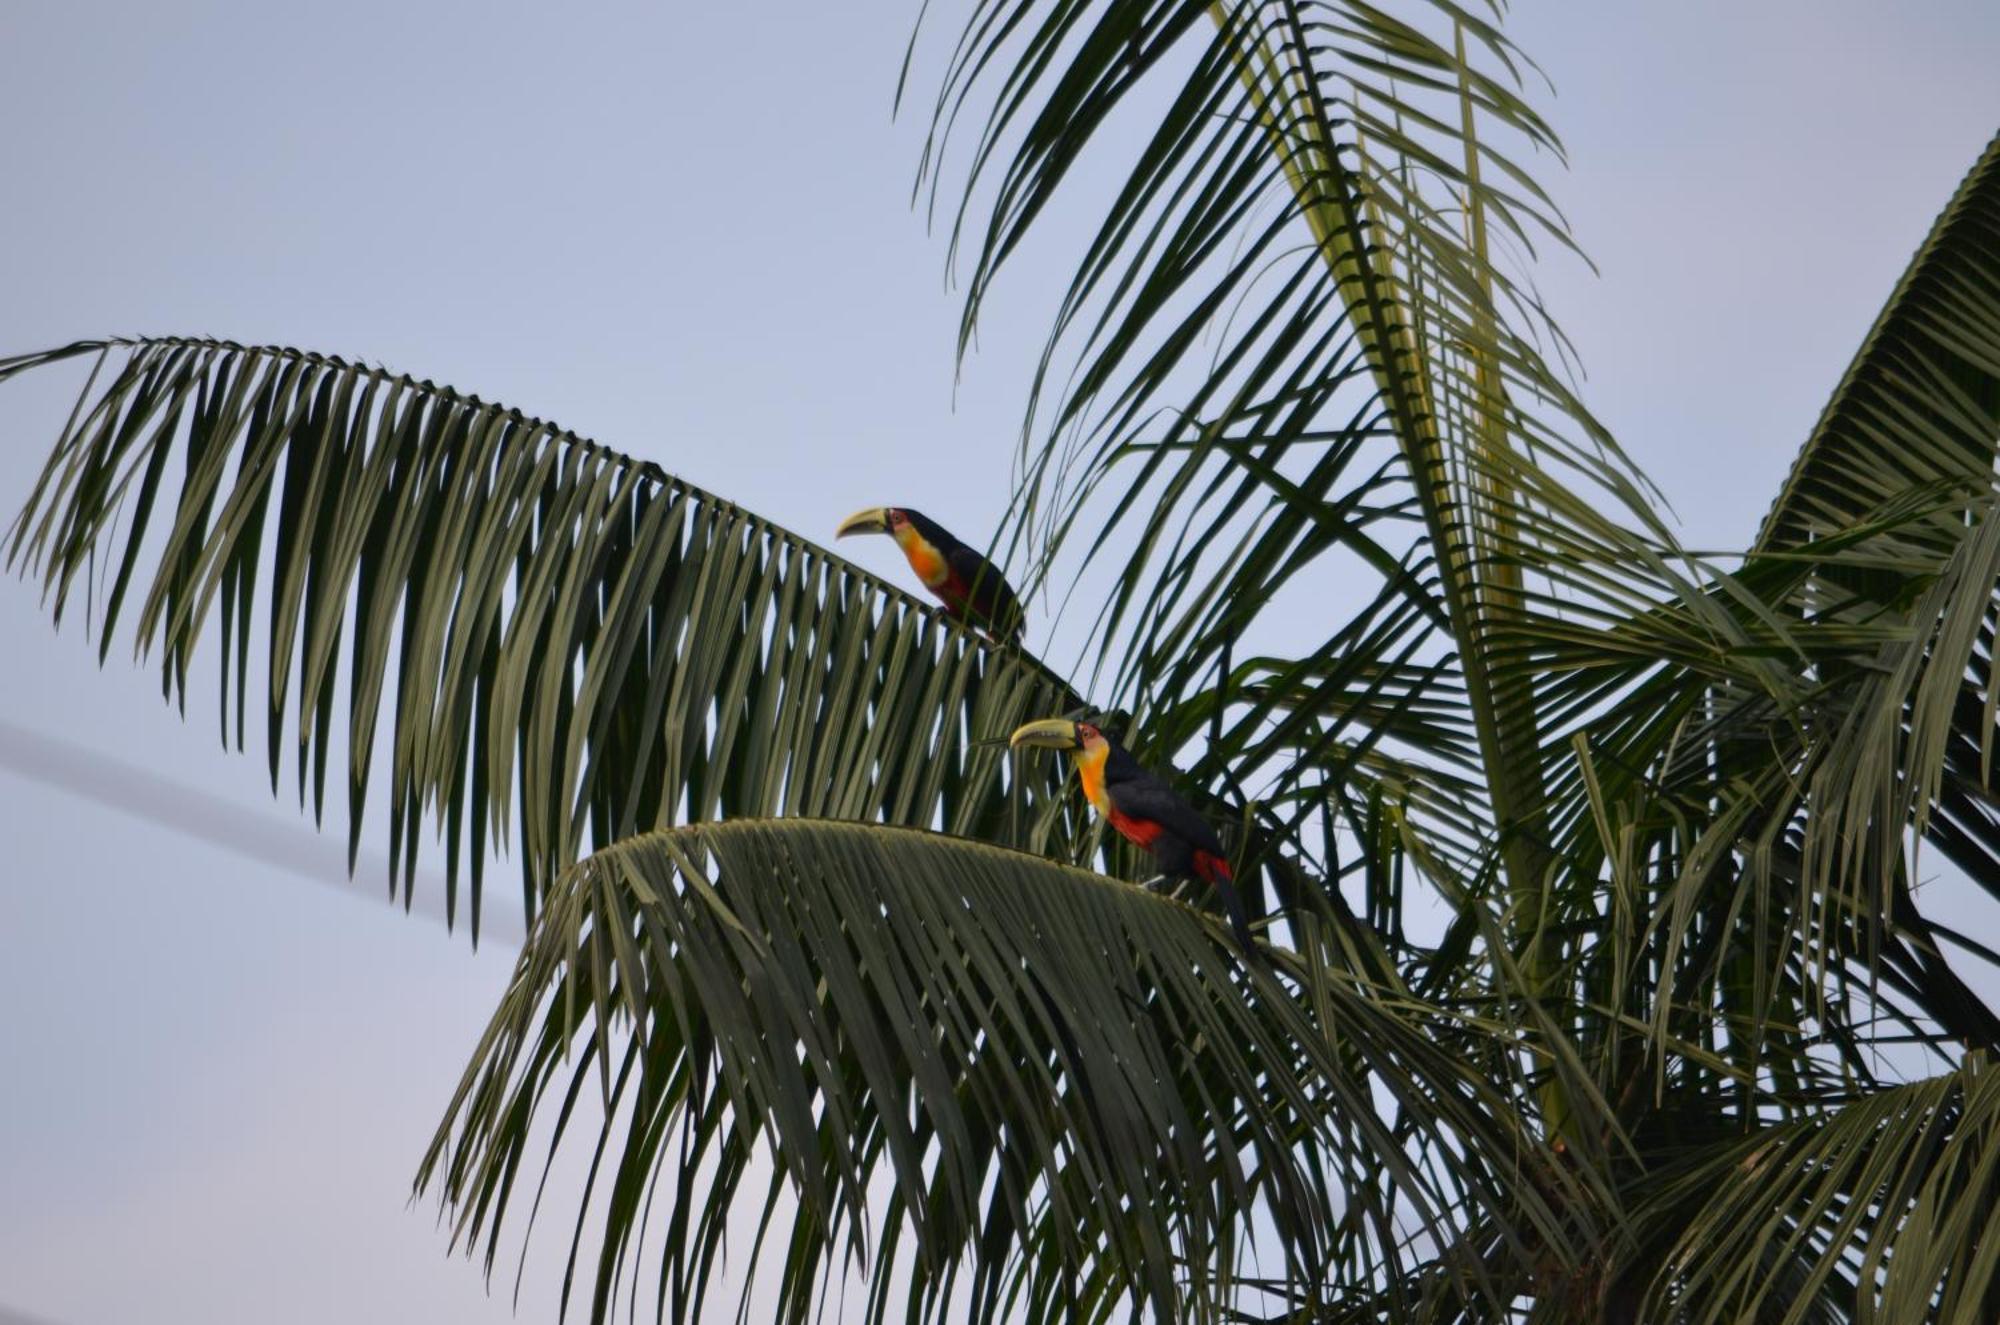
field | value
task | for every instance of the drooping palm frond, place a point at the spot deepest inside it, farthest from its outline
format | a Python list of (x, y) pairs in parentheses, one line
[(1753, 760), (553, 629), (1666, 806), (1881, 1210), (1745, 797), (1067, 1089), (1292, 359), (1776, 768), (1919, 410)]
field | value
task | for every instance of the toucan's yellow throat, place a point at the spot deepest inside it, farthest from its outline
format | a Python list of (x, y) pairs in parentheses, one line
[(925, 560), (1090, 772)]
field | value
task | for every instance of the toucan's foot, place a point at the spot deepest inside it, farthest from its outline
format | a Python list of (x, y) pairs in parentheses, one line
[(1176, 886)]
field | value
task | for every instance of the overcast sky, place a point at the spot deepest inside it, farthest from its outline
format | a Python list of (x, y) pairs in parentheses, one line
[(683, 230)]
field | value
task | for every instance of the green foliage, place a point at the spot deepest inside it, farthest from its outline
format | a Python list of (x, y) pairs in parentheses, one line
[(552, 626), (1897, 1190), (1685, 1045), (1035, 1055)]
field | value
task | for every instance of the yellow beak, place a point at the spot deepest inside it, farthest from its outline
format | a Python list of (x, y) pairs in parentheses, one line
[(1048, 733), (874, 520)]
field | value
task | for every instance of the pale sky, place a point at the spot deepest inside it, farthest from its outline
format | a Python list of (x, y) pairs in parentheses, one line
[(686, 232)]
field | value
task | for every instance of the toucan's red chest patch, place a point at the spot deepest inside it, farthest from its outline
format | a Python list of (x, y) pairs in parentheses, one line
[(1141, 831)]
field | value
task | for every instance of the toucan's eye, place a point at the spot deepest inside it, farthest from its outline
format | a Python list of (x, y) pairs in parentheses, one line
[(1085, 730)]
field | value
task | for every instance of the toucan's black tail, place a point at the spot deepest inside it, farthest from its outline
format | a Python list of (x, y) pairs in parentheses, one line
[(1239, 919), (1212, 868)]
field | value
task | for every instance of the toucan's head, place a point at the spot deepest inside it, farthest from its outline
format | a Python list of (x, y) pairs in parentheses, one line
[(1079, 738), (891, 520), (1089, 749)]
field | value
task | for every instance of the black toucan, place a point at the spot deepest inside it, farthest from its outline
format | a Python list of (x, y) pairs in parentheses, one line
[(969, 585), (1143, 808)]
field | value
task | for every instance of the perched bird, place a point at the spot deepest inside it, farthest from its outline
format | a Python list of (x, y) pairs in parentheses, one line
[(968, 584), (1143, 808)]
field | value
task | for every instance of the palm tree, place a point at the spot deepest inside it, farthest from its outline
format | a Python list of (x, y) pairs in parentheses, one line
[(1597, 984)]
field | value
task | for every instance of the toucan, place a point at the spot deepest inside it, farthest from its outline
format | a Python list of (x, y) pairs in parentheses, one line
[(967, 583), (1143, 808)]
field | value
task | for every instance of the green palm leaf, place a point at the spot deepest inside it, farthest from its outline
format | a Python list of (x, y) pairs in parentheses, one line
[(1649, 1066), (1789, 728), (965, 1052), (1880, 1210), (1291, 360), (1919, 411), (1918, 401), (551, 628)]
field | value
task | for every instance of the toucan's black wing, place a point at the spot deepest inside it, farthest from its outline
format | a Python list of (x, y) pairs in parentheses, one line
[(1146, 796), (989, 599), (1136, 793)]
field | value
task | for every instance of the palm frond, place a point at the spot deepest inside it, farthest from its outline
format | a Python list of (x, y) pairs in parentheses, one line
[(1917, 402), (1882, 545), (552, 629), (1767, 743), (1290, 359), (1880, 1210), (969, 1054), (1747, 794), (1919, 410)]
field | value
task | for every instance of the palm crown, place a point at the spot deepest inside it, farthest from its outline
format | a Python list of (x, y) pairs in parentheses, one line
[(1590, 859)]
